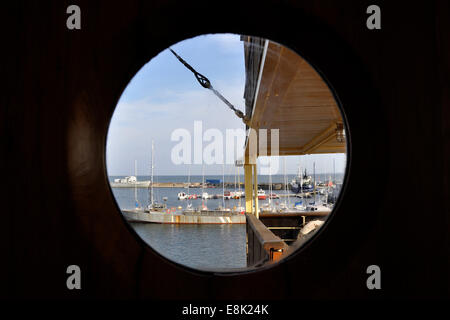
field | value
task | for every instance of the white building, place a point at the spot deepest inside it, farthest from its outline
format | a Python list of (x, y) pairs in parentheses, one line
[(130, 179)]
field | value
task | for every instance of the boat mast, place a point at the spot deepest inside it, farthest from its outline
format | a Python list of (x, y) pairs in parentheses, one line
[(285, 180), (334, 171), (189, 182), (330, 184), (270, 181), (314, 174), (235, 179), (289, 194), (223, 185), (135, 184), (152, 166), (236, 172), (203, 185), (239, 186), (301, 188)]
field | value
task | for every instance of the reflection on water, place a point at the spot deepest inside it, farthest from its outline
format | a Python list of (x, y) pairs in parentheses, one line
[(197, 246)]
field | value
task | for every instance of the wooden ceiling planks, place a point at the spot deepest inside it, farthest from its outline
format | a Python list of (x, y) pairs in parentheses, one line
[(293, 98)]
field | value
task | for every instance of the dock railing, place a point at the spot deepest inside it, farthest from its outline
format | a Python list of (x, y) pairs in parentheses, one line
[(262, 245)]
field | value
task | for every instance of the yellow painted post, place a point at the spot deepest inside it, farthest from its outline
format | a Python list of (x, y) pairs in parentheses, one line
[(248, 188), (255, 190)]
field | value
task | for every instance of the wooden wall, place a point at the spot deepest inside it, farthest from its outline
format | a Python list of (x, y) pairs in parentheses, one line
[(59, 90)]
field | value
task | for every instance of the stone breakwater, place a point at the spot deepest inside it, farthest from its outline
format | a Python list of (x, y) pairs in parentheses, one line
[(146, 184)]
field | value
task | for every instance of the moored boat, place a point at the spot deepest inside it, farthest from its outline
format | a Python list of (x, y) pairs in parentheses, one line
[(182, 196), (261, 194), (302, 183)]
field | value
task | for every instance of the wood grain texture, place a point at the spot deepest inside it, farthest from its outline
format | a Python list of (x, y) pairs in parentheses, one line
[(59, 91), (289, 89)]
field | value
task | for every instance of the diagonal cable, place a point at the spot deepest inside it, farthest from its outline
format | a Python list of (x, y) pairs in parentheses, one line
[(205, 83)]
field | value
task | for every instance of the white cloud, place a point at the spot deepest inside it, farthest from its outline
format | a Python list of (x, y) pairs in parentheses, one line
[(135, 124), (228, 42)]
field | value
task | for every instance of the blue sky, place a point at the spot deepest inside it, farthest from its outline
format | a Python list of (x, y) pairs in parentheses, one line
[(164, 96)]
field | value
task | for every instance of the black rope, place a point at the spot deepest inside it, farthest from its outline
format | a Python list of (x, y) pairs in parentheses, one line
[(205, 83)]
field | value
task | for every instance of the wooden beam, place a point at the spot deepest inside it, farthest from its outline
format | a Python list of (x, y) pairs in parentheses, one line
[(319, 139), (255, 190), (293, 98), (248, 188)]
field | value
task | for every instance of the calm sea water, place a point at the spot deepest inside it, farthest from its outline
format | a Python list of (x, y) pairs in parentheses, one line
[(197, 246)]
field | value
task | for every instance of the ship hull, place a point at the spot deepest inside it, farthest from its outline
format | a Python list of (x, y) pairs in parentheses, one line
[(178, 218), (295, 188)]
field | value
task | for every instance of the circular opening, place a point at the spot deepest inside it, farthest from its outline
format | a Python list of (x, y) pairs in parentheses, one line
[(226, 152)]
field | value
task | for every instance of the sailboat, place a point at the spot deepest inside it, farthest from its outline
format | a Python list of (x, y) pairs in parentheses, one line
[(268, 207), (205, 195), (261, 194), (156, 213), (154, 205), (284, 206), (189, 207), (302, 183), (316, 205), (240, 208), (136, 202), (182, 196), (225, 196)]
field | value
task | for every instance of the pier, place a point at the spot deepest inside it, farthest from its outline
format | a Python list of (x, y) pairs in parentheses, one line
[(203, 217), (271, 236), (308, 123), (197, 185), (146, 184)]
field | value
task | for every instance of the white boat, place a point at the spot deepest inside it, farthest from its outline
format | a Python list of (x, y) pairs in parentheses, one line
[(261, 194), (205, 195), (227, 195), (154, 205), (240, 210), (189, 209), (316, 207), (221, 209), (237, 194), (182, 196), (268, 208), (155, 213)]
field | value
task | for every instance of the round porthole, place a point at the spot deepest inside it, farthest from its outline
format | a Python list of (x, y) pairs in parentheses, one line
[(227, 152)]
